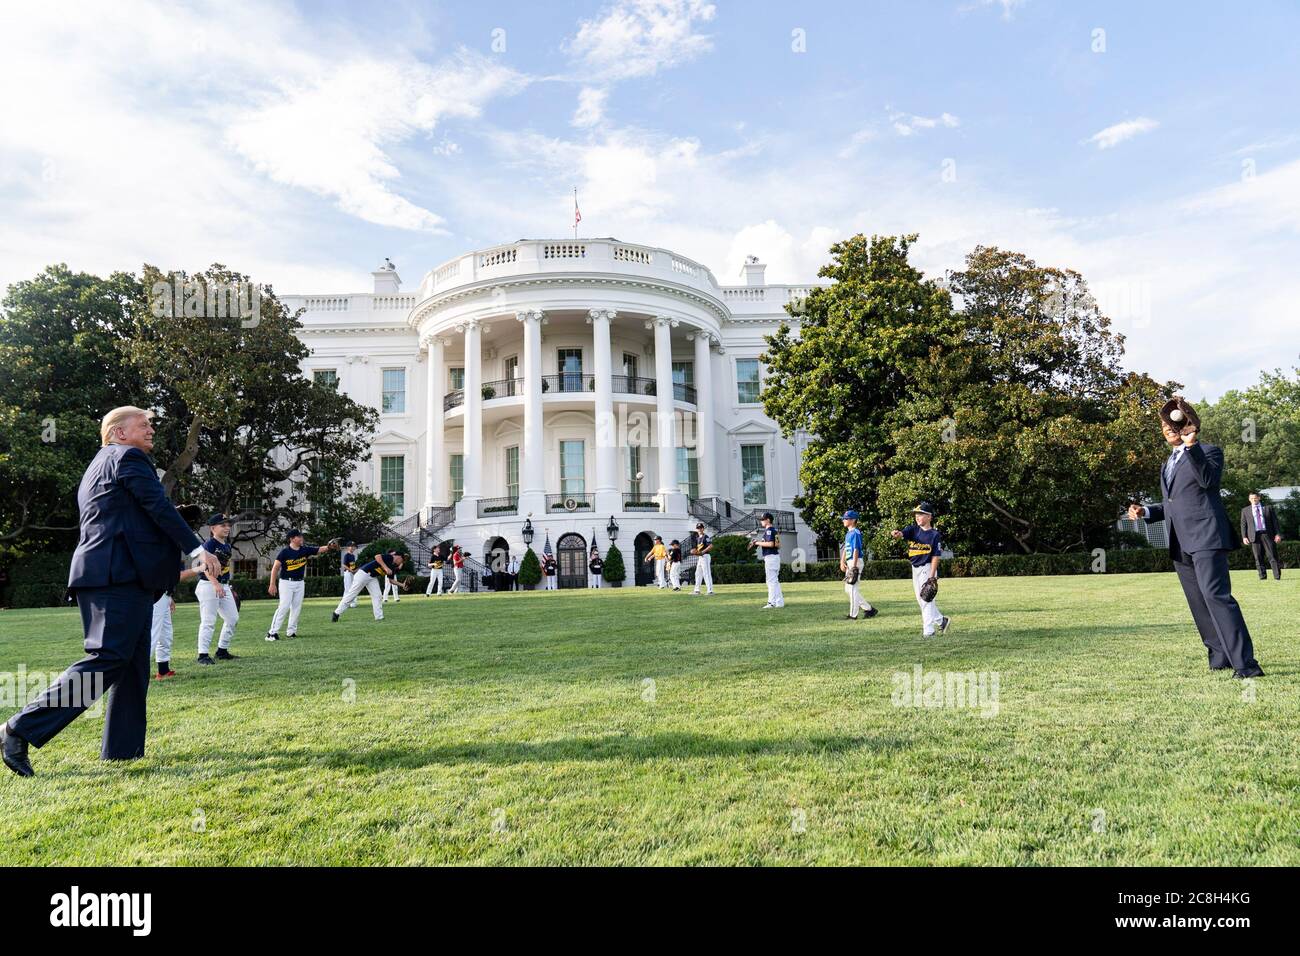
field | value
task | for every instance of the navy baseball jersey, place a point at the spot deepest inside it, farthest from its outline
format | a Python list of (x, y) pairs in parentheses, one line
[(222, 551), (373, 569), (769, 534), (923, 544), (293, 561), (702, 541), (349, 562)]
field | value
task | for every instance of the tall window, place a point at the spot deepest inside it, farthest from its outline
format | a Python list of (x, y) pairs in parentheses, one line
[(570, 365), (512, 375), (512, 472), (457, 378), (753, 473), (392, 482), (688, 473), (683, 378), (630, 364), (747, 384), (634, 469), (457, 478), (394, 391), (572, 468), (327, 377)]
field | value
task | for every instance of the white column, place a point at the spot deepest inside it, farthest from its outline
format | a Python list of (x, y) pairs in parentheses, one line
[(708, 464), (532, 477), (435, 462), (473, 443), (607, 496), (664, 406)]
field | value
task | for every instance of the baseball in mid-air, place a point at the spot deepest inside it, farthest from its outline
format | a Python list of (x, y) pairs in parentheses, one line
[(639, 476), (1176, 415)]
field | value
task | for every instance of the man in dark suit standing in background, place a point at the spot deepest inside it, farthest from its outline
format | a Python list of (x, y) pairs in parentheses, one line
[(1259, 530), (126, 558), (1200, 538)]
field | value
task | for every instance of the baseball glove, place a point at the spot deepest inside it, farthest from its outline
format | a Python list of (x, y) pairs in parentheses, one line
[(335, 543), (930, 590), (851, 575)]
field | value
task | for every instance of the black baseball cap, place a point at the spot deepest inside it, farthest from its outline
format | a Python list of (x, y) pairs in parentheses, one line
[(218, 518), (293, 533), (924, 508)]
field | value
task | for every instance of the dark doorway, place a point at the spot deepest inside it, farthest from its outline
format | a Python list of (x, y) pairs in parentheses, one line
[(645, 573), (496, 555), (571, 556)]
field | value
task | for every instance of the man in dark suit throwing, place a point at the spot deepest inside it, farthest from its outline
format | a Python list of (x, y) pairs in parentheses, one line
[(1259, 530), (1200, 538), (126, 558)]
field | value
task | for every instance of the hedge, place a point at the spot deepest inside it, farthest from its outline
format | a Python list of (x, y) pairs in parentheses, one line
[(28, 593)]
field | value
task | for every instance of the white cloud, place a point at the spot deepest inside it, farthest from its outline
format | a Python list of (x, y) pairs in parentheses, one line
[(905, 124), (591, 107), (640, 37), (1114, 135), (327, 131)]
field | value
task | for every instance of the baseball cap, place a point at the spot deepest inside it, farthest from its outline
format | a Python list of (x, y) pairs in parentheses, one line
[(699, 524), (924, 508), (218, 518), (850, 514), (293, 533)]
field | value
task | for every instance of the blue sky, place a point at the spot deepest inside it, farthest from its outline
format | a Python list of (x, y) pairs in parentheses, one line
[(302, 143)]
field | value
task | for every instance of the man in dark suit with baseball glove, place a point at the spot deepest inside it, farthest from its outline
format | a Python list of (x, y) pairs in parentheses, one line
[(125, 560), (1200, 538), (1259, 530)]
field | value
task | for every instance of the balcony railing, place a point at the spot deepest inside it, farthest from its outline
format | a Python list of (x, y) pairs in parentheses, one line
[(640, 502), (632, 385), (571, 502), (498, 506), (568, 382)]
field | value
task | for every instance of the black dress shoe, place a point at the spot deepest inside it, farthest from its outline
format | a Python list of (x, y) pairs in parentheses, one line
[(15, 752), (1255, 671)]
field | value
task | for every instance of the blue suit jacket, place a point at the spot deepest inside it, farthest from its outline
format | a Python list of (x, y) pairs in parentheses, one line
[(1197, 521), (130, 531)]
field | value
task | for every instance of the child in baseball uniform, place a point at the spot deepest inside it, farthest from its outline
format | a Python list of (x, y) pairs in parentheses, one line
[(767, 545), (924, 543), (289, 582), (659, 555), (160, 630), (215, 597), (704, 566), (675, 565), (349, 565), (851, 563)]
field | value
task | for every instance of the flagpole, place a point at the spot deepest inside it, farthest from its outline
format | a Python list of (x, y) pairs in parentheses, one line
[(575, 212)]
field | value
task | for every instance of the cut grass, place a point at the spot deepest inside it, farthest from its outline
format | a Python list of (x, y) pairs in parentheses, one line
[(636, 726)]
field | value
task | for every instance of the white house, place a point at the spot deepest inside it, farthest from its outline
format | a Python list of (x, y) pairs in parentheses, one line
[(569, 384)]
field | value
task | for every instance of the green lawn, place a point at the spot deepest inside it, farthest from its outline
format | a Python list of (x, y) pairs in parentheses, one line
[(524, 728)]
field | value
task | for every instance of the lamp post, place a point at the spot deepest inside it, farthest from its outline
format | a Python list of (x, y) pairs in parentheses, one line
[(528, 531), (612, 529)]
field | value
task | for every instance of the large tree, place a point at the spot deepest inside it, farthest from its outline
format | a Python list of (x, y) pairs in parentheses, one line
[(62, 369), (863, 345), (1259, 431), (1005, 405), (243, 431)]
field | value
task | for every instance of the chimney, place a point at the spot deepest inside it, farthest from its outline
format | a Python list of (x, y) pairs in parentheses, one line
[(753, 271), (387, 281)]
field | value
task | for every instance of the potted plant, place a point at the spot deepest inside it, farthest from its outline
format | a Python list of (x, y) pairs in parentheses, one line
[(489, 393), (614, 572), (546, 386)]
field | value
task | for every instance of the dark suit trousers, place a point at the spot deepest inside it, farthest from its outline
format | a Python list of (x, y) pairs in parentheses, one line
[(1205, 580), (116, 622), (1264, 545)]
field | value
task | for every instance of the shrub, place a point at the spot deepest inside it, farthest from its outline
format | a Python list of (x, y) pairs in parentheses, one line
[(530, 570), (614, 572), (730, 548)]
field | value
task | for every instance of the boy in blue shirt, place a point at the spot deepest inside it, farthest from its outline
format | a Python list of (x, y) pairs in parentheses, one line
[(289, 581), (851, 562), (367, 578), (924, 545)]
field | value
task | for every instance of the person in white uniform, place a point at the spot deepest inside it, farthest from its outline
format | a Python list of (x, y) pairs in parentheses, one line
[(385, 564), (289, 582), (768, 547), (702, 549), (925, 542), (851, 564), (435, 573), (160, 630), (215, 597), (349, 564)]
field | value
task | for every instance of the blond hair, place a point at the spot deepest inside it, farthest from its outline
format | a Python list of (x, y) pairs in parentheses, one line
[(116, 419)]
